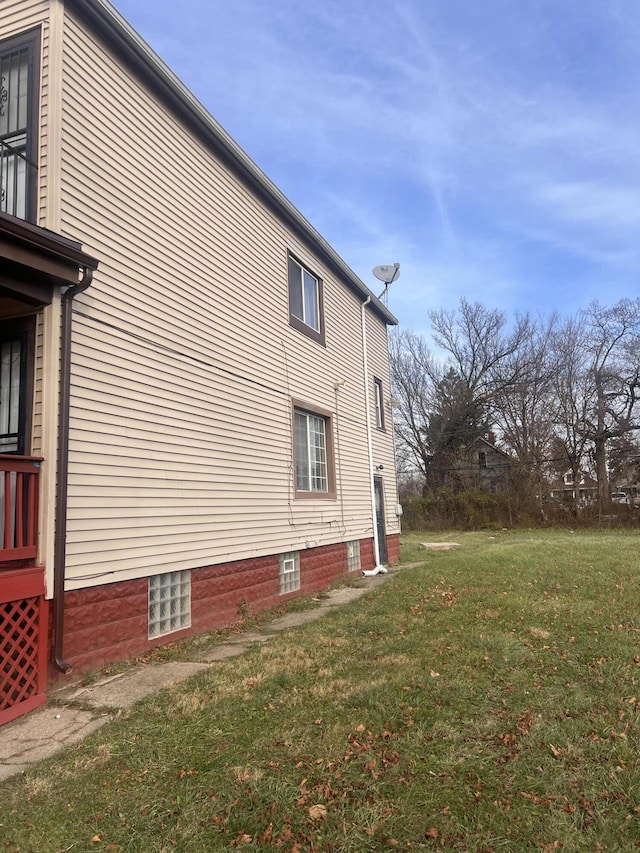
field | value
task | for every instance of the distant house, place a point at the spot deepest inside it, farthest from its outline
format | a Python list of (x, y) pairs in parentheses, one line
[(570, 489), (484, 466), (494, 465), (194, 387), (626, 477)]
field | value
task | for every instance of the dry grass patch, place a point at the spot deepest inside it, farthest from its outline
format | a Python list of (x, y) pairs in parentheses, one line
[(539, 633)]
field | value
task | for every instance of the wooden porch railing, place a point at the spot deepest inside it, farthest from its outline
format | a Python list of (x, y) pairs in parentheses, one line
[(19, 487)]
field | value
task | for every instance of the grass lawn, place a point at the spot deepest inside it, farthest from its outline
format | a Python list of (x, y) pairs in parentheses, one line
[(486, 699)]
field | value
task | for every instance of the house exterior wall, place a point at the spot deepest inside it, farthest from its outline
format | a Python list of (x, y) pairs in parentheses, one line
[(185, 367), (17, 17), (109, 622), (184, 363)]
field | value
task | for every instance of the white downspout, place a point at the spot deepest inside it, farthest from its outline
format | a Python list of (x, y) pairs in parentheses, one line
[(378, 568)]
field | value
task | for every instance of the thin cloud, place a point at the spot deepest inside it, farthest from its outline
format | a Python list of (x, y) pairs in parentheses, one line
[(490, 148)]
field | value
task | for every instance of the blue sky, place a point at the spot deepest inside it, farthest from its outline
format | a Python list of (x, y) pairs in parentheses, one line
[(492, 148)]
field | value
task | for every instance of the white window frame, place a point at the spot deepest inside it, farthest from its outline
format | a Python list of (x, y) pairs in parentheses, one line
[(378, 396), (314, 474)]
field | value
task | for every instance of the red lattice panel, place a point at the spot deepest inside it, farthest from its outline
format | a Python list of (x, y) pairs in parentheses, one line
[(20, 646)]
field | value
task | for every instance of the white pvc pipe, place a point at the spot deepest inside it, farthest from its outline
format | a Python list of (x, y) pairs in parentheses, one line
[(365, 361)]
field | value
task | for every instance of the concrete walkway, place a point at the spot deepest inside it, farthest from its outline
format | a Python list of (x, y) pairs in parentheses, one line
[(73, 712)]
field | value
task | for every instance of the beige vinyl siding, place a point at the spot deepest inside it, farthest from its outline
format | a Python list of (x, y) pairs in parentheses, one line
[(36, 421), (184, 365), (43, 126), (382, 441), (16, 16)]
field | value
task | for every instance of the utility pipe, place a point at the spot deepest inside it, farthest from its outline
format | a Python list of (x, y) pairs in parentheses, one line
[(378, 568), (336, 389), (62, 473)]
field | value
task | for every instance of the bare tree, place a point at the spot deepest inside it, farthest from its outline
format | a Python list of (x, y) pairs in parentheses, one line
[(412, 369), (572, 399), (444, 405), (597, 385), (525, 411), (613, 349), (482, 349)]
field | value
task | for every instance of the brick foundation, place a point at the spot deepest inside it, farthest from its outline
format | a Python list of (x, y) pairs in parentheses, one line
[(393, 549), (108, 623)]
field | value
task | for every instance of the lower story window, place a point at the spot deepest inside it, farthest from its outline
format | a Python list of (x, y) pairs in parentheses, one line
[(313, 451), (289, 572), (169, 603), (353, 556)]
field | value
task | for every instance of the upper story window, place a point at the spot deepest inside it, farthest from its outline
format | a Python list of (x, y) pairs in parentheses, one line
[(18, 132), (305, 301), (379, 399), (313, 453)]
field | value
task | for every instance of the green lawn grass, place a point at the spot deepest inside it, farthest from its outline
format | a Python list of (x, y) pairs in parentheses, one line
[(485, 699)]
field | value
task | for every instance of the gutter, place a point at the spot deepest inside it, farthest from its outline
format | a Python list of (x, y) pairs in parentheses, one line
[(62, 473)]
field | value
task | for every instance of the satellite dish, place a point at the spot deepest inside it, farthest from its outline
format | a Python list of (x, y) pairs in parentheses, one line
[(387, 273)]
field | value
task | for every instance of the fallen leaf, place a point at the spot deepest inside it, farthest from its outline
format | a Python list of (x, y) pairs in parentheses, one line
[(434, 674), (95, 839), (267, 835), (317, 812), (432, 833), (360, 727)]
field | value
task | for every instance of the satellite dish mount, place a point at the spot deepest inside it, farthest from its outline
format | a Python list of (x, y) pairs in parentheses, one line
[(388, 273)]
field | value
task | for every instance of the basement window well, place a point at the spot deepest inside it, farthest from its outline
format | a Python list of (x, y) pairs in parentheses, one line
[(169, 603)]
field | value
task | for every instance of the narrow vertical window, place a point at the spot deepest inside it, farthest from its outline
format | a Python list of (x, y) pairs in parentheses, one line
[(379, 400), (311, 453), (289, 572), (18, 127)]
